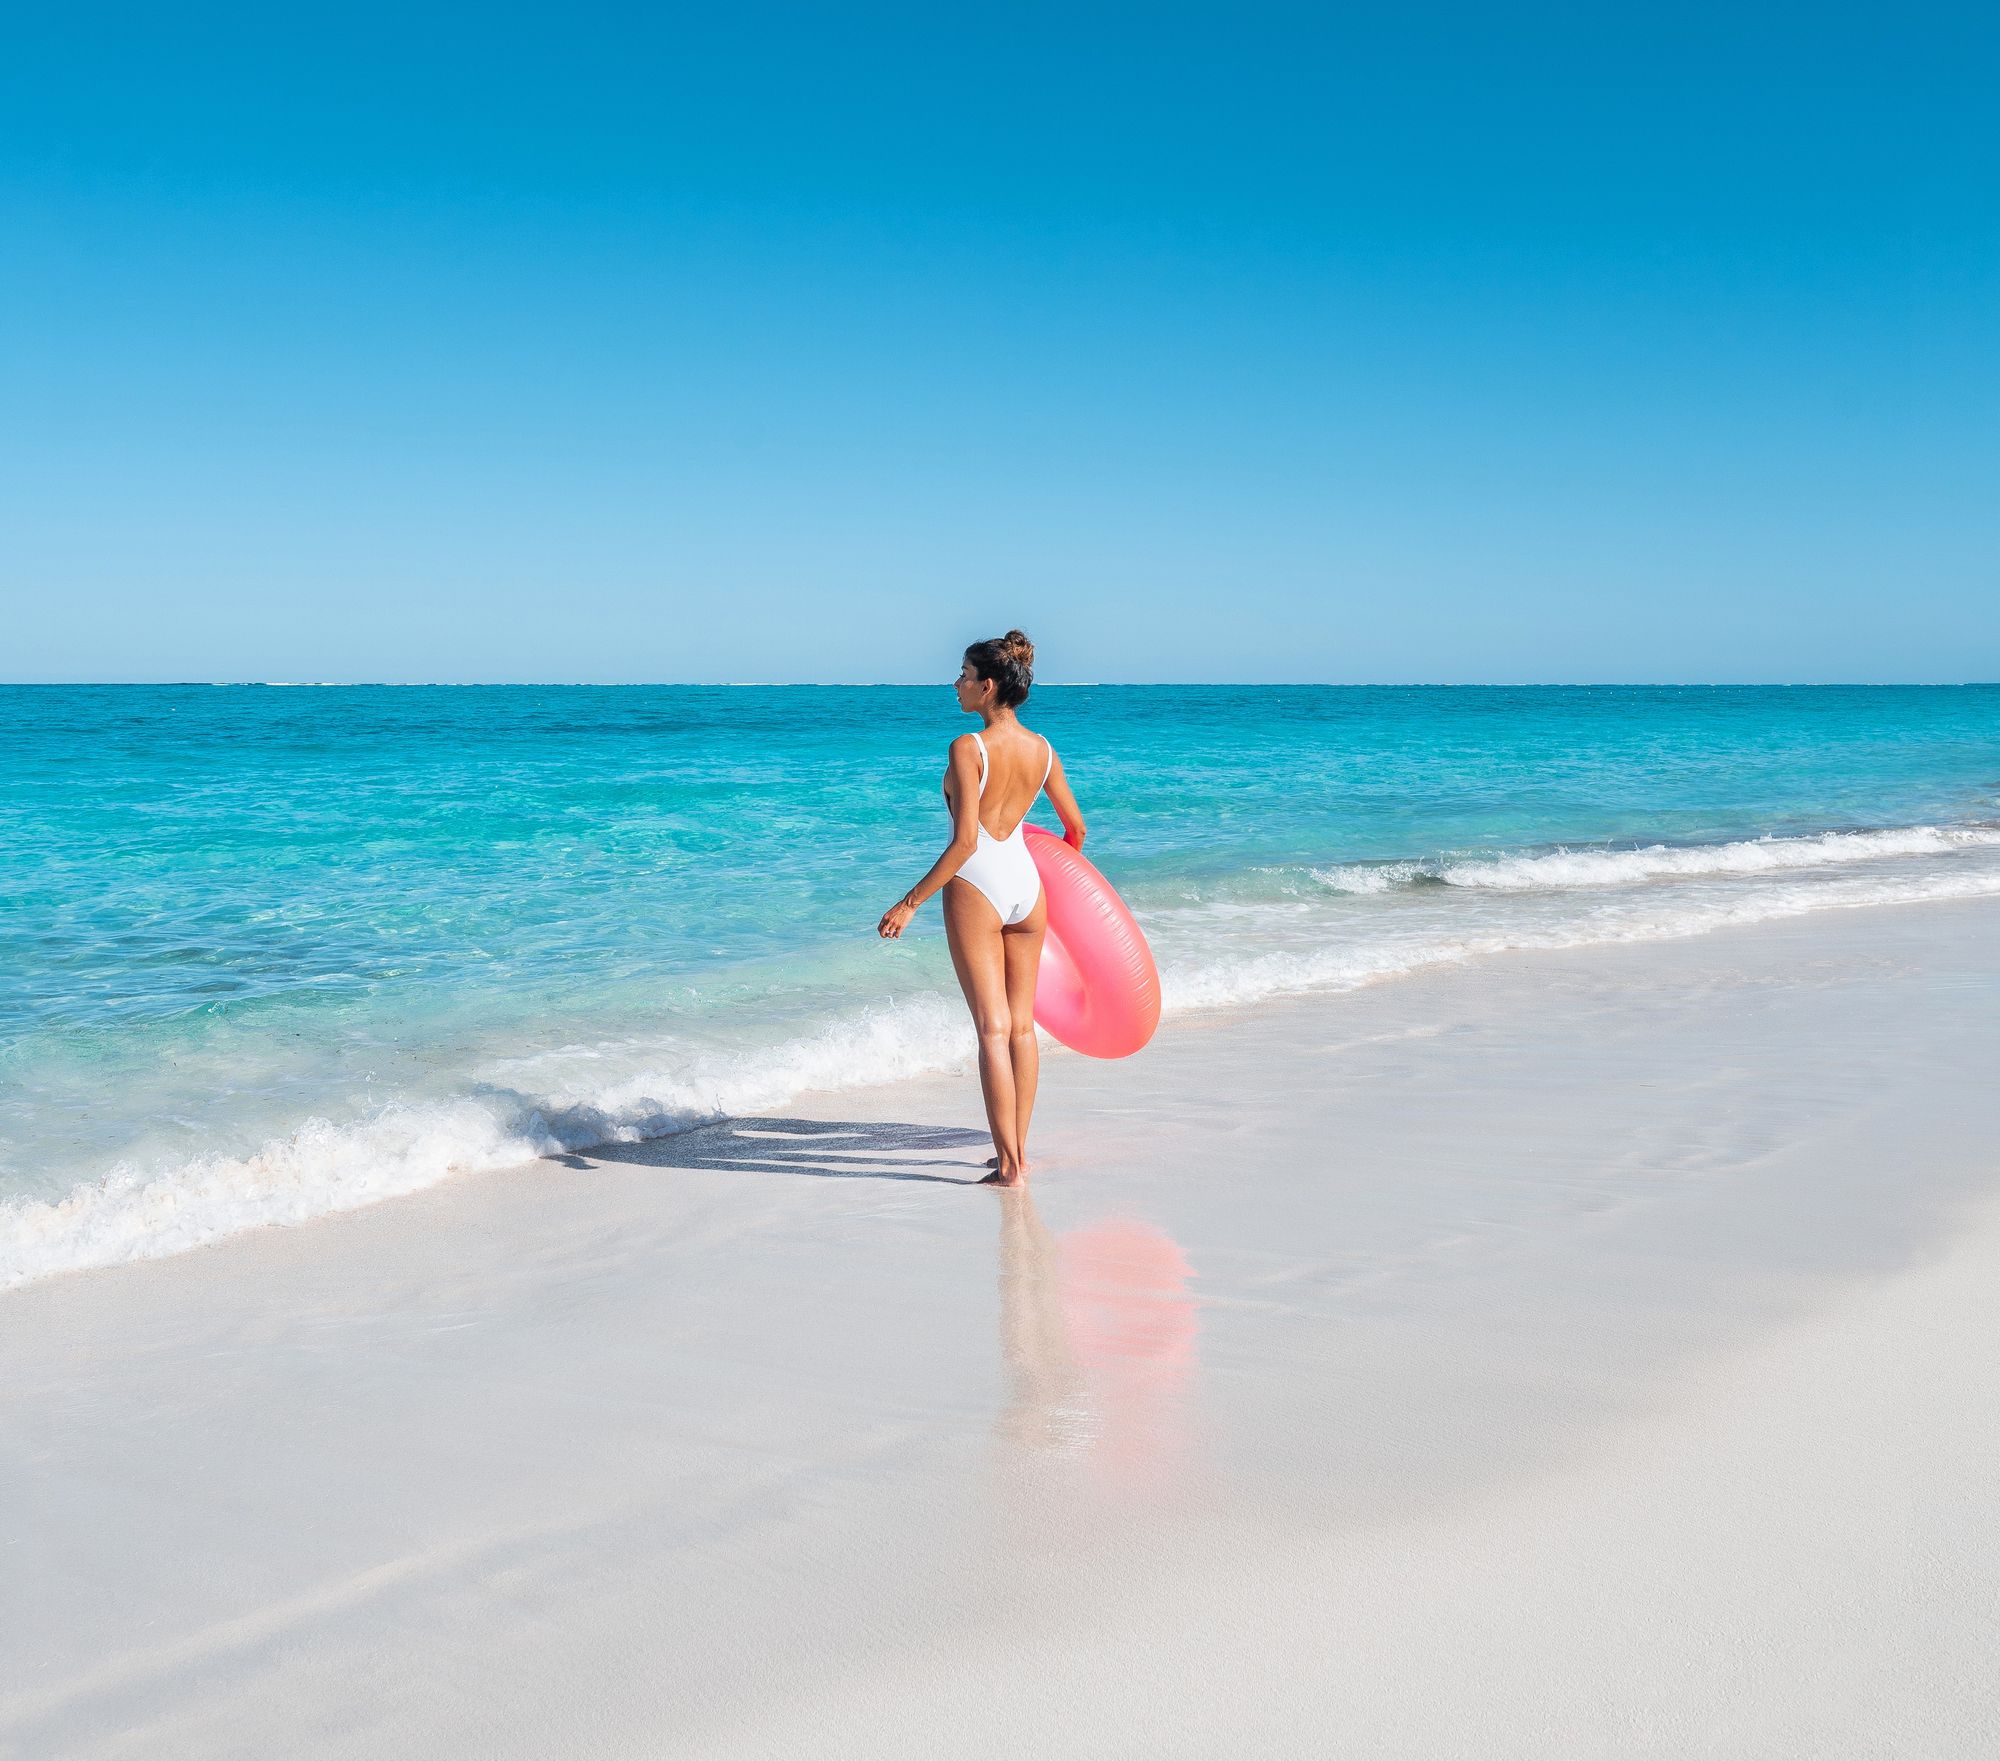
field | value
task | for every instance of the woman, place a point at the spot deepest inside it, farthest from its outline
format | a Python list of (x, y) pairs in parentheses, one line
[(994, 913)]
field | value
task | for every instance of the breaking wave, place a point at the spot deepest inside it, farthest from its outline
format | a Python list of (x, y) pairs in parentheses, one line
[(1561, 868)]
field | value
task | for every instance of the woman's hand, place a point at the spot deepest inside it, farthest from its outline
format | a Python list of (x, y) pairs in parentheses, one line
[(895, 920)]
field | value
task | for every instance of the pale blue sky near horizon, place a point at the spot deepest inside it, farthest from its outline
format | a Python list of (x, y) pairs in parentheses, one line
[(1444, 344)]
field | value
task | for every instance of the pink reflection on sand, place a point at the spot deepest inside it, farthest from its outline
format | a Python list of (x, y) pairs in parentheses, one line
[(1099, 1333), (1132, 1325)]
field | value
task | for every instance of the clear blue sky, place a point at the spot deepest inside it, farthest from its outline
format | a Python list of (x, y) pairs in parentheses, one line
[(775, 343)]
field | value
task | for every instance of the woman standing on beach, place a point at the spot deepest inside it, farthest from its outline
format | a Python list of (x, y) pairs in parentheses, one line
[(994, 912)]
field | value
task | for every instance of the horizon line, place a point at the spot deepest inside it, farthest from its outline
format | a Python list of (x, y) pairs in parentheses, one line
[(1040, 684)]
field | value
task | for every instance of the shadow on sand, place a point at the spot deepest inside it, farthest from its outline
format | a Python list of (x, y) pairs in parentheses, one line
[(829, 1149)]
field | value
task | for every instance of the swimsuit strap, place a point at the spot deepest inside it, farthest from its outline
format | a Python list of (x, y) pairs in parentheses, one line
[(981, 744), (1051, 763)]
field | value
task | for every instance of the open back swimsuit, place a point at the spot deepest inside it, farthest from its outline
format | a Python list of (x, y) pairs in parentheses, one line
[(1001, 868)]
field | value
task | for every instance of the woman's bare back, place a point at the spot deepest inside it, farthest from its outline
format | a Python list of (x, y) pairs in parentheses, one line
[(1016, 764)]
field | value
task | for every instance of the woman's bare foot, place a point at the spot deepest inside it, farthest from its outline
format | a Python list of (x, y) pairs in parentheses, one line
[(1005, 1172)]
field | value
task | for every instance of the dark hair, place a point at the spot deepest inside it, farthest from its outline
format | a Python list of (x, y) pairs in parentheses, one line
[(1009, 661)]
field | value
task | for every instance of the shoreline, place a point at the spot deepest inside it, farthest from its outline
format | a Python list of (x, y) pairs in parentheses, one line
[(1325, 1385), (323, 1166)]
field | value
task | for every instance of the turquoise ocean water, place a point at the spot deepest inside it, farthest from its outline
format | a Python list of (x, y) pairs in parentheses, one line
[(268, 952)]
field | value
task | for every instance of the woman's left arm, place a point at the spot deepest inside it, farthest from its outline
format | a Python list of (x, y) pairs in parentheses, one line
[(962, 776)]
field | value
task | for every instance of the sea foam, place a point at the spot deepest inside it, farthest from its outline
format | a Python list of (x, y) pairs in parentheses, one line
[(1562, 868), (322, 1167), (1371, 959)]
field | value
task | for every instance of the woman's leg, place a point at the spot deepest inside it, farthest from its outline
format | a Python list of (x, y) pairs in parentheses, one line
[(1021, 945), (972, 927)]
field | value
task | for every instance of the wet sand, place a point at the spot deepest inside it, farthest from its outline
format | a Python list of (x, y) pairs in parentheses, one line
[(1566, 1354)]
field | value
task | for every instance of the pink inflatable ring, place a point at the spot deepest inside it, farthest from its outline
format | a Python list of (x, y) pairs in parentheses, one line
[(1097, 990)]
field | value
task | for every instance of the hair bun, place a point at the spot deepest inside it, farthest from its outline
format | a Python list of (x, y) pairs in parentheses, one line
[(1009, 661)]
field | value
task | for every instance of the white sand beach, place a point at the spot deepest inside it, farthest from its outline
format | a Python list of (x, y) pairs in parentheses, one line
[(1568, 1354)]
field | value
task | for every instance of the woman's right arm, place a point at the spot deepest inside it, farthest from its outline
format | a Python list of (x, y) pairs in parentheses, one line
[(1058, 791), (962, 774)]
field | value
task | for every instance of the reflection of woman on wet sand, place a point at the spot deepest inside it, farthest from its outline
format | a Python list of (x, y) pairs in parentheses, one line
[(1044, 1405), (1098, 1333)]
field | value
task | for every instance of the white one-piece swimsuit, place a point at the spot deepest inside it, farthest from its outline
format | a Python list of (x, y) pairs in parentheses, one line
[(1001, 868)]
